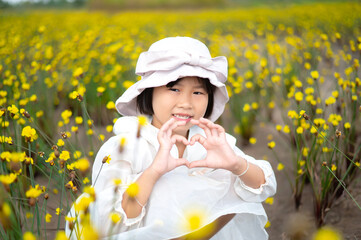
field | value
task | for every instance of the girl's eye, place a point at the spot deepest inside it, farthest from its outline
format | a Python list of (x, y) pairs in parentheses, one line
[(174, 89), (199, 93)]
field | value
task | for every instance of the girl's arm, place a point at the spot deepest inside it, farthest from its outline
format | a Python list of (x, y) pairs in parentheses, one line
[(162, 163)]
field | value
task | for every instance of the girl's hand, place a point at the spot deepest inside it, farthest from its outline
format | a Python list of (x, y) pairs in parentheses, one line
[(163, 161), (219, 153)]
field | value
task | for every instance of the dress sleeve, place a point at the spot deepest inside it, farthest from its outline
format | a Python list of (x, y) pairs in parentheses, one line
[(122, 166), (266, 190)]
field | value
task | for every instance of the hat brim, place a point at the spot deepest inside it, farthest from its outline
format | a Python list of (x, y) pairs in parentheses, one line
[(127, 104)]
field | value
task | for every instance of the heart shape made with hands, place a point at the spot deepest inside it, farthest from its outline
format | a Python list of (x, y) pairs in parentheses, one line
[(219, 152)]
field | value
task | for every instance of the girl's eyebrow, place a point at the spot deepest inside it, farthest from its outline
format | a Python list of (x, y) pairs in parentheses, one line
[(196, 86)]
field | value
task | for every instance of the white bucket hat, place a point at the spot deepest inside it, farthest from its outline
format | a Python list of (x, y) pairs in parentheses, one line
[(170, 59)]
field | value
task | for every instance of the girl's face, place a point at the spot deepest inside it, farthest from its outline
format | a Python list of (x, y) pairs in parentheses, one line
[(186, 100)]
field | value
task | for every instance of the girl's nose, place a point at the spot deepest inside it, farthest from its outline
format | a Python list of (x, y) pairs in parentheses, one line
[(185, 101)]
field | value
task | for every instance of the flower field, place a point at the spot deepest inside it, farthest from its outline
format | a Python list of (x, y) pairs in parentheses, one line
[(293, 69)]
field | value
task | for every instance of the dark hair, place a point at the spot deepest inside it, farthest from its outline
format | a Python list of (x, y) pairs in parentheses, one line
[(144, 100)]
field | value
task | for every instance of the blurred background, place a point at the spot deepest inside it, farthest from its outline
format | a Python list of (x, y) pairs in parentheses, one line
[(116, 5)]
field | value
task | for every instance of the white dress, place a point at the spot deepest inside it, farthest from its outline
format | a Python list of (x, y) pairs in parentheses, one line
[(205, 192)]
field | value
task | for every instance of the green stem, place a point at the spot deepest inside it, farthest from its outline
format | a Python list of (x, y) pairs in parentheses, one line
[(344, 187), (61, 197), (98, 175), (343, 154)]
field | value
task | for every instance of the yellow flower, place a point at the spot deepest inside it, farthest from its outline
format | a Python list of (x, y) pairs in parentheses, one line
[(6, 156), (48, 217), (58, 211), (117, 181), (6, 209), (271, 105), (305, 152), (77, 154), (269, 201), (101, 137), (78, 120), (83, 204), (299, 130), (252, 140), (142, 120), (347, 125), (70, 219), (127, 84), (39, 114), (327, 233), (8, 179), (278, 127), (333, 167), (307, 66), (195, 222), (314, 74), (29, 133), (107, 159), (66, 114), (90, 132), (64, 155), (115, 217), (286, 129), (86, 180), (271, 144), (110, 105), (60, 235), (280, 167), (89, 233), (246, 107), (74, 129), (82, 164), (133, 189), (60, 142), (78, 72), (330, 100), (335, 94), (248, 84), (109, 128), (28, 236), (13, 109), (33, 192), (263, 62), (73, 95), (292, 114), (91, 191), (319, 111), (299, 96), (100, 89)]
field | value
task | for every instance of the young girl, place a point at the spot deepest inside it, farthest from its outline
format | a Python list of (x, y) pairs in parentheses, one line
[(194, 183)]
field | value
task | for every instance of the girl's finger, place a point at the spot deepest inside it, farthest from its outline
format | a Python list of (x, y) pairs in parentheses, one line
[(199, 163), (166, 125), (206, 129), (178, 138), (182, 161), (198, 138)]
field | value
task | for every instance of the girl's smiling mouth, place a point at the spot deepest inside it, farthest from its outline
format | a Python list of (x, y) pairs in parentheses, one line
[(182, 117)]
